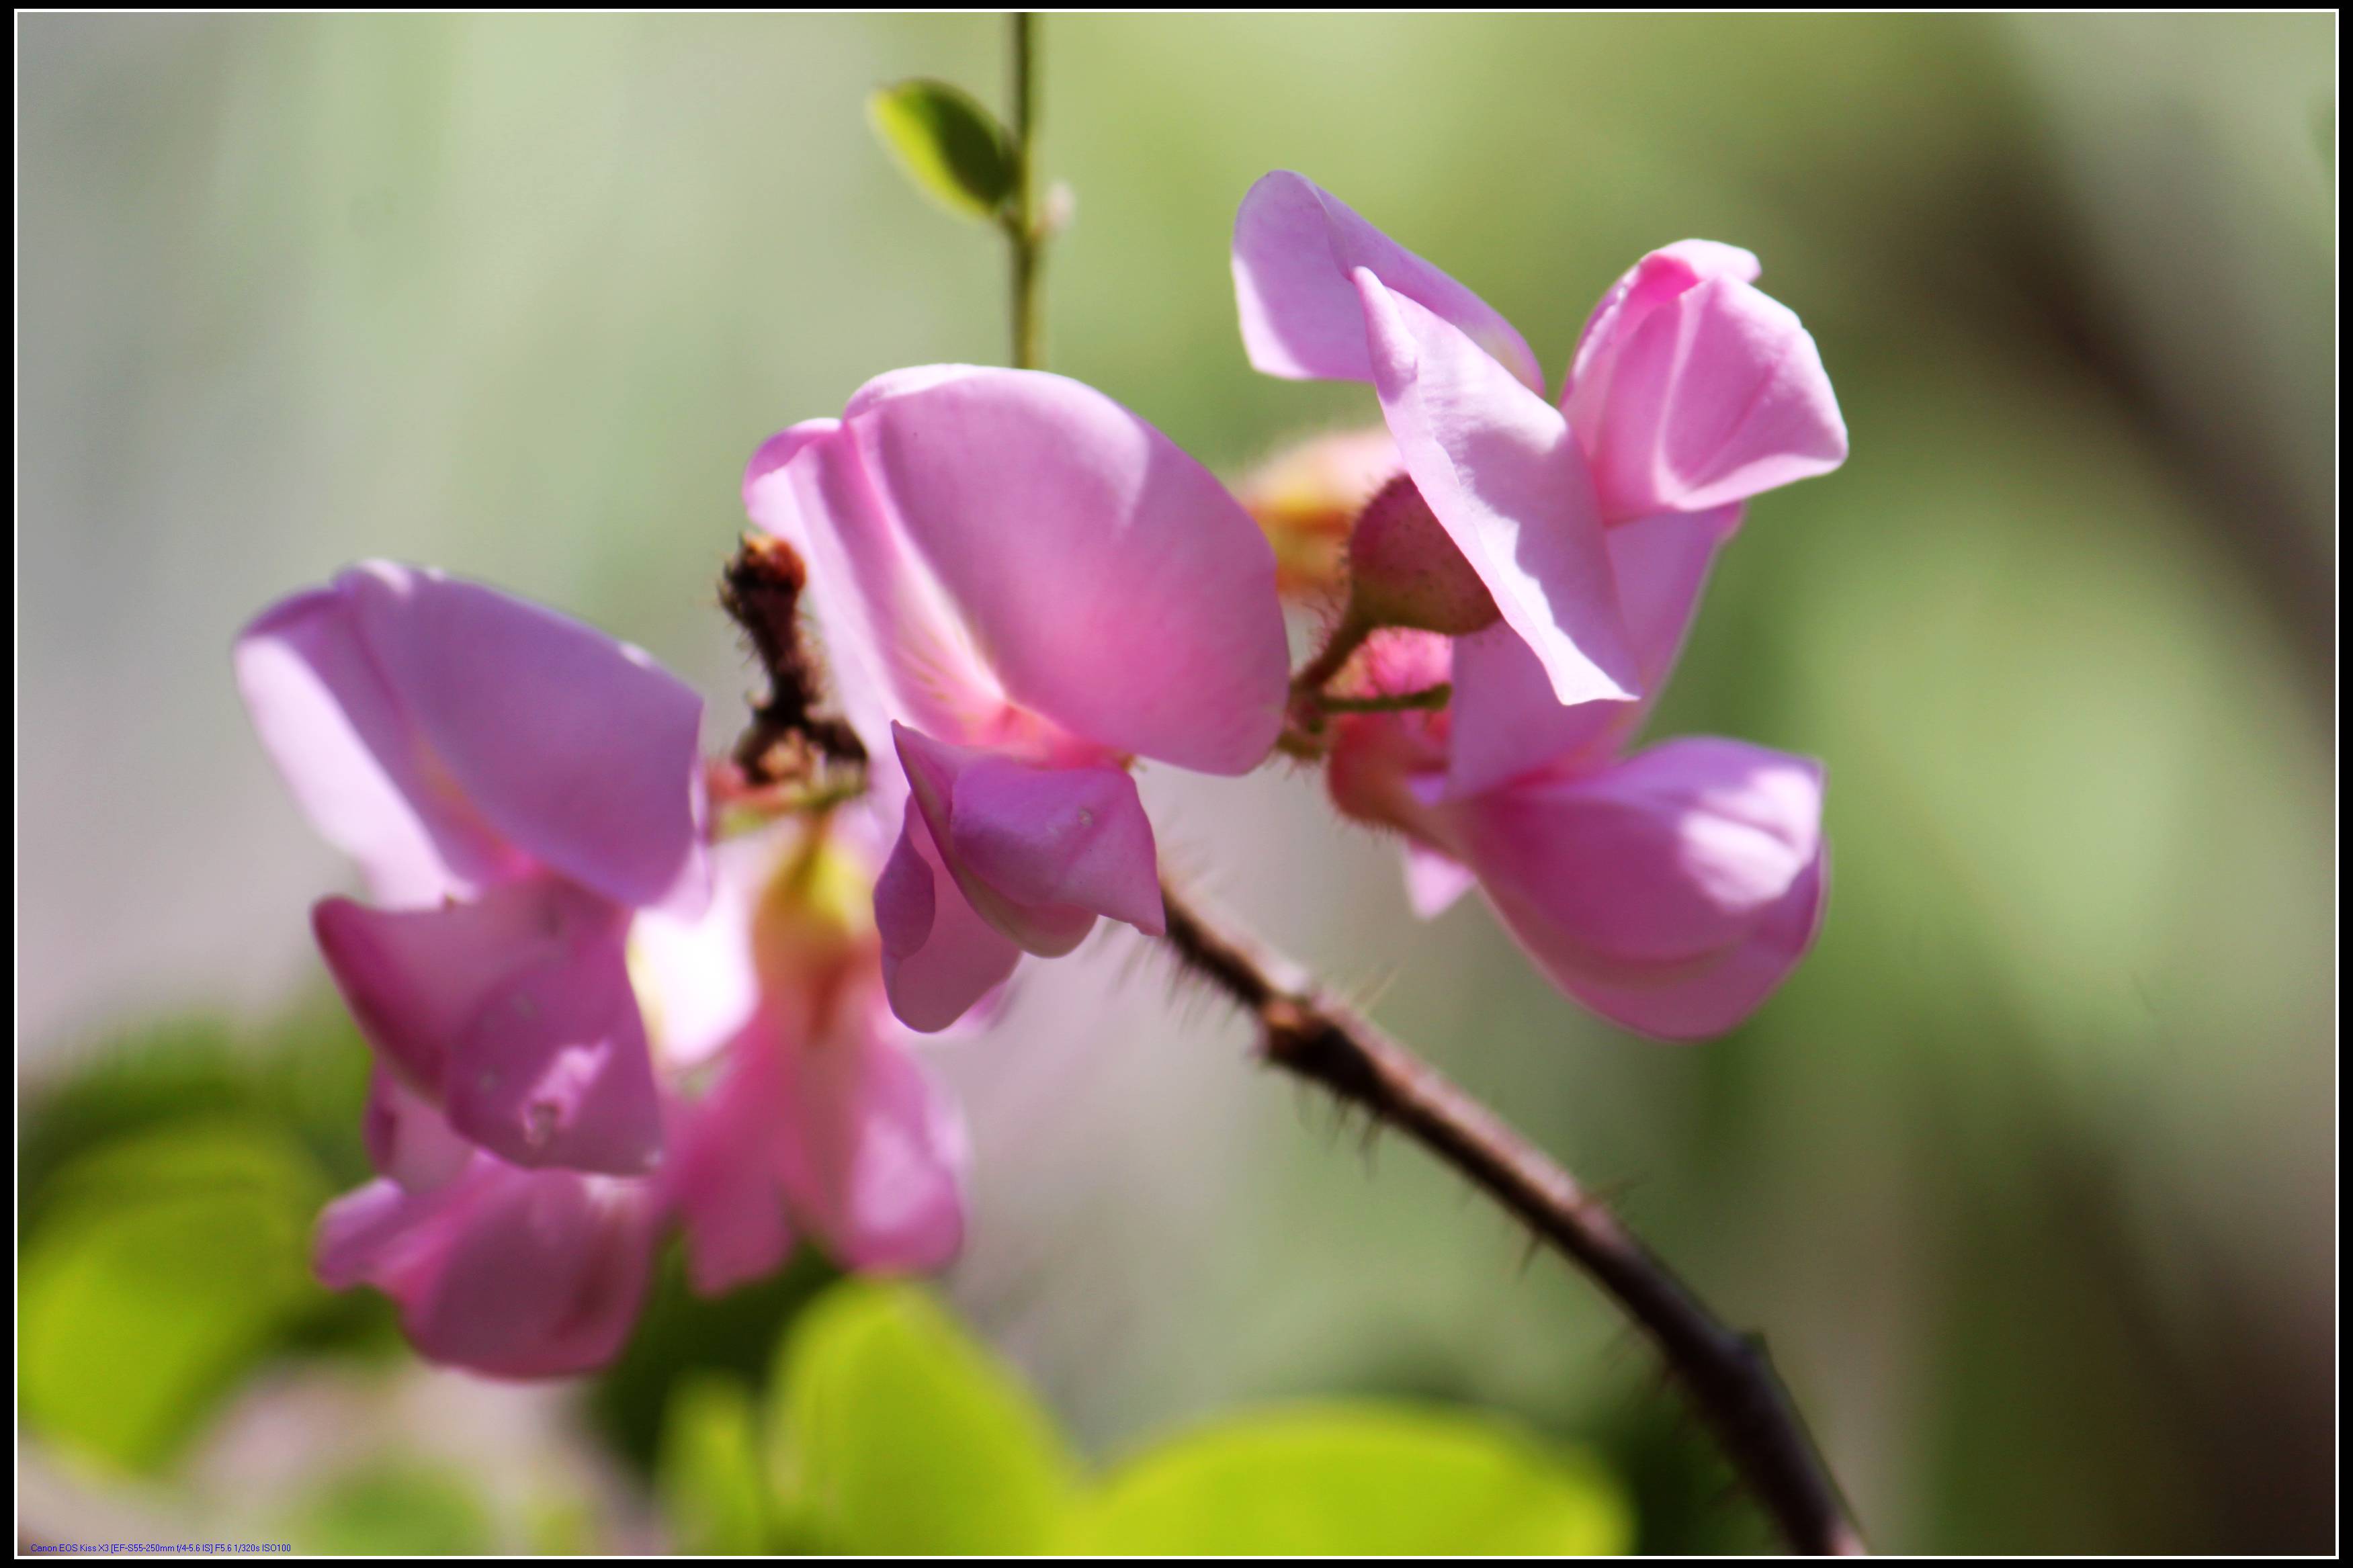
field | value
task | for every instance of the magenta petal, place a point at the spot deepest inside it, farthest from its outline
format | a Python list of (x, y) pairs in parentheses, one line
[(408, 1138), (874, 1155), (1688, 874), (722, 1178), (514, 1014), (1505, 719), (1296, 247), (1705, 399), (1059, 835), (939, 957), (507, 1272), (1659, 277), (578, 749), (355, 758), (1119, 590), (1500, 472), (557, 1071), (934, 770)]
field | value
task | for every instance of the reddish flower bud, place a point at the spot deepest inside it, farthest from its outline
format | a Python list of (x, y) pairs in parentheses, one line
[(1405, 571)]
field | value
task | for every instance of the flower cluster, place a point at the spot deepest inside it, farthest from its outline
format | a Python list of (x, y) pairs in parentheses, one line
[(598, 1021)]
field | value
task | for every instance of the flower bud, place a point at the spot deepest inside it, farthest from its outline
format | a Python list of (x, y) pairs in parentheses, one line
[(1304, 496), (1404, 570)]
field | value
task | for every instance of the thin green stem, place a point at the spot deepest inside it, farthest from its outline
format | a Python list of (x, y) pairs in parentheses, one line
[(1345, 640), (1021, 225)]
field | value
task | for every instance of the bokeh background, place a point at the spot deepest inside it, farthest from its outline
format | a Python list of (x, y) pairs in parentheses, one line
[(2029, 1174)]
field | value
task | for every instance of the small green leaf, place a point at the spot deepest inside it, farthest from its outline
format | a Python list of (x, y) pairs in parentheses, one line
[(898, 1433), (709, 1475), (1358, 1479), (953, 149), (167, 1262)]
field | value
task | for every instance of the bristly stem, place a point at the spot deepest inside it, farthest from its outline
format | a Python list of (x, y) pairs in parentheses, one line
[(1021, 225), (1725, 1374), (1308, 1034)]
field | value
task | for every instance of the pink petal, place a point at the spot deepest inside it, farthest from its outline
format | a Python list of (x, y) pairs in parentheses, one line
[(722, 1175), (1694, 390), (1296, 247), (508, 1273), (1687, 877), (939, 957), (407, 1138), (1059, 835), (934, 770), (577, 749), (1500, 470), (355, 758), (1657, 279), (696, 983), (1434, 880), (514, 1014), (875, 1154), (1119, 590), (896, 646), (1505, 719)]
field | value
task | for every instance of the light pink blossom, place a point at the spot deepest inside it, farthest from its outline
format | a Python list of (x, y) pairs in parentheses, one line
[(515, 785), (1024, 587), (1689, 392)]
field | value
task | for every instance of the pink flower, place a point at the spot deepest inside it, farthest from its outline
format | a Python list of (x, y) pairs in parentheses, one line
[(817, 1116), (1670, 890), (513, 785), (1689, 392), (793, 1107), (1024, 587)]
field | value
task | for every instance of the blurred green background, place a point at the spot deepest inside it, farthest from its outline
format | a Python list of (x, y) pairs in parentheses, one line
[(2028, 1175)]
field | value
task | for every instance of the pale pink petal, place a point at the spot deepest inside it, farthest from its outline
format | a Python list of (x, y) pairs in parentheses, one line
[(355, 759), (1434, 880), (1657, 279), (1506, 722), (408, 1138), (577, 749), (1704, 398), (1500, 472), (722, 1175), (875, 1154), (1059, 835), (896, 646), (696, 982), (1296, 245), (513, 1014), (1119, 590), (934, 770), (507, 1272), (939, 957), (1680, 873)]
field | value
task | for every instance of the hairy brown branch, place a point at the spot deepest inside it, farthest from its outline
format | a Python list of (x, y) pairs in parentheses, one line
[(1725, 1374)]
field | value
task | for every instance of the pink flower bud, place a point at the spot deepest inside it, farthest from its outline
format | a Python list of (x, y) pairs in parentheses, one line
[(1405, 571)]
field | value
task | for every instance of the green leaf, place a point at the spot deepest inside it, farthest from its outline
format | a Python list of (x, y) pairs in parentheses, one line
[(400, 1510), (898, 1433), (709, 1476), (953, 149), (1358, 1479), (166, 1264)]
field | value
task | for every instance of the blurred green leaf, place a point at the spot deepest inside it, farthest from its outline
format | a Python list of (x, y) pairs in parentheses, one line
[(681, 1334), (709, 1476), (401, 1511), (898, 1433), (949, 146), (170, 1260), (1363, 1480)]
